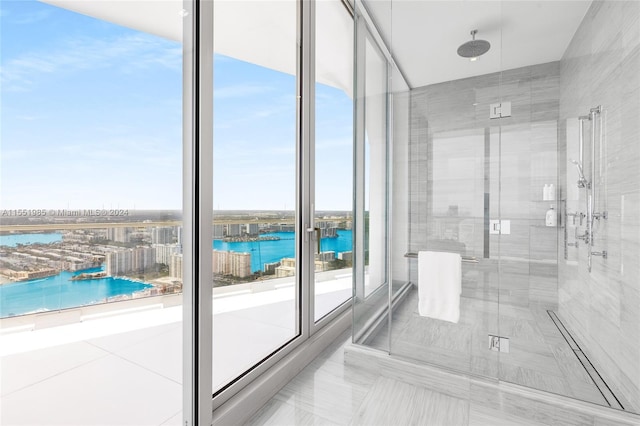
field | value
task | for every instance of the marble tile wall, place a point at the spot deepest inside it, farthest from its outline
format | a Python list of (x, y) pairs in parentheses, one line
[(602, 309), (457, 154)]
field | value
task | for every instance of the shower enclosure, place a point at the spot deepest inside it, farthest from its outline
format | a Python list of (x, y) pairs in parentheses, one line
[(525, 162)]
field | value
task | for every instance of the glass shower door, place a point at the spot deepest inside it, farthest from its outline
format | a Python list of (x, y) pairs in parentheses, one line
[(450, 216)]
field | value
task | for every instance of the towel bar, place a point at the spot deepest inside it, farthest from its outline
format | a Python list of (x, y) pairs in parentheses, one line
[(465, 259)]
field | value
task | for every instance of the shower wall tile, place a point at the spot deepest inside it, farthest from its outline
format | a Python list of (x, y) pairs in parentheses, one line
[(602, 308)]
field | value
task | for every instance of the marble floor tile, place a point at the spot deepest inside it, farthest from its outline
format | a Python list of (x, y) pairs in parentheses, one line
[(391, 402), (278, 413), (372, 388), (526, 409), (321, 391), (534, 379), (480, 415), (539, 356)]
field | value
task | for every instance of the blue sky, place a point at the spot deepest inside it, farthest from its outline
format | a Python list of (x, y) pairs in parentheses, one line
[(91, 117)]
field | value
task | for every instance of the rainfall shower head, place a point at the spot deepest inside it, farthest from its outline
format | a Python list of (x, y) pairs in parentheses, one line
[(474, 48), (582, 181)]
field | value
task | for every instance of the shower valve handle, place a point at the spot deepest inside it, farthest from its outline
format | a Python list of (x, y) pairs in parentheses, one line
[(584, 237)]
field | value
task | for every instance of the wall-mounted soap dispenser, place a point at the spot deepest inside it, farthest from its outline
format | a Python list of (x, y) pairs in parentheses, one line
[(551, 217)]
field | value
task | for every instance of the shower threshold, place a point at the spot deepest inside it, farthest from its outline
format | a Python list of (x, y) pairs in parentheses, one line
[(588, 366)]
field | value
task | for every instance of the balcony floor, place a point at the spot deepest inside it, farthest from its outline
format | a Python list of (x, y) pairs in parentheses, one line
[(126, 368)]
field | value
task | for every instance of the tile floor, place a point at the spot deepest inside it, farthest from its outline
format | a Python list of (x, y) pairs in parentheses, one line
[(332, 392), (539, 356)]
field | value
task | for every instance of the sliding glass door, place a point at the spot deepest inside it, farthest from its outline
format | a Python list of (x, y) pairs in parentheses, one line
[(91, 224), (332, 187), (256, 254), (141, 230), (282, 187)]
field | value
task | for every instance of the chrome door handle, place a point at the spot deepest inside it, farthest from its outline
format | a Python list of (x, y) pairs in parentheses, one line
[(318, 235)]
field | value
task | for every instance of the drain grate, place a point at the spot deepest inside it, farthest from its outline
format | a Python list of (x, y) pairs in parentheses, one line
[(597, 379)]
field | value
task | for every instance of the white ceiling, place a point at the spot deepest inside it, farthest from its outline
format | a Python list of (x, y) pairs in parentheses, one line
[(425, 34), (261, 32)]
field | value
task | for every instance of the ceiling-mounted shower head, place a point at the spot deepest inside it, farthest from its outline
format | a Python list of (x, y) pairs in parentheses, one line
[(474, 48)]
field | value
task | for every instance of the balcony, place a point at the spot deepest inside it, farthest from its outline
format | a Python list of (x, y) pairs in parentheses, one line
[(121, 363)]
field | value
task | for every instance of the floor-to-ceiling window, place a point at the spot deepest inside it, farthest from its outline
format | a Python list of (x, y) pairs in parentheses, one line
[(256, 251), (332, 199), (93, 136), (90, 214)]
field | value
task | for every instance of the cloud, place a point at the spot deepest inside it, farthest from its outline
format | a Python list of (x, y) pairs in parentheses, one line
[(125, 53)]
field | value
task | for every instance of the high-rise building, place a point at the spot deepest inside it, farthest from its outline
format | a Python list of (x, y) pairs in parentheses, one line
[(347, 256), (326, 256), (162, 235), (270, 268), (175, 266), (231, 263), (179, 235), (287, 267), (218, 231), (164, 252), (252, 228), (124, 261), (233, 229), (120, 235)]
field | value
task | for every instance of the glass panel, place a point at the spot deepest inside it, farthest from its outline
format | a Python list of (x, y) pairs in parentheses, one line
[(400, 204), (255, 149), (452, 192), (370, 267), (333, 156), (577, 326), (91, 191), (450, 216), (375, 169)]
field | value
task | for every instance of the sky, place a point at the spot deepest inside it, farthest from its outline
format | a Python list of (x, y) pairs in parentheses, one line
[(91, 117)]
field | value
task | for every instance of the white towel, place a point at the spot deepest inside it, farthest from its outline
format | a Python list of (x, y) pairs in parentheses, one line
[(439, 285)]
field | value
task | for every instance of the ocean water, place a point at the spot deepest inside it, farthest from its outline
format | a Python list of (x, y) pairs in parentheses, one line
[(272, 251), (59, 292), (13, 240)]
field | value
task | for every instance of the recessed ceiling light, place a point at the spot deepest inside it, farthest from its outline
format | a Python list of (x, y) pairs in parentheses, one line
[(475, 58)]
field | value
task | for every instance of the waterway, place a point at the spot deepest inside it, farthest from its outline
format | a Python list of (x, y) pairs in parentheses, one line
[(59, 292), (12, 240), (272, 251)]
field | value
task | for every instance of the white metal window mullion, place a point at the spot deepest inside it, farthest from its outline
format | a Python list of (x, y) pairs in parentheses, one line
[(197, 211)]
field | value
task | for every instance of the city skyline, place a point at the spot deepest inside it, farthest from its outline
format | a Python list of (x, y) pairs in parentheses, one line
[(92, 117)]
